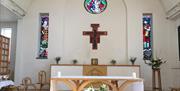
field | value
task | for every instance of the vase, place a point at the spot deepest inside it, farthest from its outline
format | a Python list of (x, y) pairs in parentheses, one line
[(133, 59), (132, 62), (57, 61)]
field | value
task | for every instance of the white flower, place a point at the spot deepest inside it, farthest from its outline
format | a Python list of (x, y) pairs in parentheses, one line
[(103, 86), (89, 89)]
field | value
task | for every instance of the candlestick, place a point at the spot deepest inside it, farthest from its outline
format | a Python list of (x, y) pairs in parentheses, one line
[(59, 74), (134, 74)]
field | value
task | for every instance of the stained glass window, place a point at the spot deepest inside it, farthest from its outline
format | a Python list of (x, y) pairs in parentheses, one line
[(95, 6), (147, 36), (44, 19)]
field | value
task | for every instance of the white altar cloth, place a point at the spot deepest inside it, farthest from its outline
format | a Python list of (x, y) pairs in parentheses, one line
[(6, 83), (99, 77)]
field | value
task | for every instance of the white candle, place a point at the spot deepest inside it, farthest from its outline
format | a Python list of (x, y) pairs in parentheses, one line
[(59, 74), (134, 74)]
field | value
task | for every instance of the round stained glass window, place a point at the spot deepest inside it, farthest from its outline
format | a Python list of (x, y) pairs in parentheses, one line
[(95, 6)]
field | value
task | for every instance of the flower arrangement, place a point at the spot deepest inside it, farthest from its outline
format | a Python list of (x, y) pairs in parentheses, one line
[(103, 87), (155, 63), (57, 59), (113, 61), (133, 59), (90, 89)]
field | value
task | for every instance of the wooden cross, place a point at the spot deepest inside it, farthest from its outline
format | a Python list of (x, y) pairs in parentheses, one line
[(94, 35)]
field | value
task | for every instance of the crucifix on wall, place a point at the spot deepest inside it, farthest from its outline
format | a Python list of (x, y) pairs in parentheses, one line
[(94, 35)]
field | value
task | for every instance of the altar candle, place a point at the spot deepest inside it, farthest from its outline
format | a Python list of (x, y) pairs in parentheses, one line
[(134, 74), (59, 74)]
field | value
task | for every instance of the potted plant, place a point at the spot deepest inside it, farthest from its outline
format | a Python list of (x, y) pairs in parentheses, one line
[(57, 59), (133, 59), (113, 62), (74, 61), (155, 63)]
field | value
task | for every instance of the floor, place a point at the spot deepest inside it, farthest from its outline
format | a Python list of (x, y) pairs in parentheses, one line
[(47, 90), (42, 90), (35, 90), (23, 90)]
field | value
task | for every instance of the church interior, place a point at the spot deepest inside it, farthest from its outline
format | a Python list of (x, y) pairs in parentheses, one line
[(89, 45)]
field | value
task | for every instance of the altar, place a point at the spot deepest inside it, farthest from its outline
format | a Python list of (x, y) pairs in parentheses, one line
[(78, 83), (72, 77)]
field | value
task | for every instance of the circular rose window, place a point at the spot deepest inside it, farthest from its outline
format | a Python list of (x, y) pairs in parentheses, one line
[(95, 6)]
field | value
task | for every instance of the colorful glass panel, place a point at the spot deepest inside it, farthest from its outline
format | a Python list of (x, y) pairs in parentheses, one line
[(43, 52), (95, 6), (147, 36)]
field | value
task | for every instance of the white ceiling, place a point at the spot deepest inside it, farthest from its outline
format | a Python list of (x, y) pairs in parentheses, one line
[(168, 4), (6, 15)]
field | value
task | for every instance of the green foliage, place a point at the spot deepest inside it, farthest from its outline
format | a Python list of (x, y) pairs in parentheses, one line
[(133, 59), (155, 63), (74, 61), (113, 61), (58, 58), (103, 87)]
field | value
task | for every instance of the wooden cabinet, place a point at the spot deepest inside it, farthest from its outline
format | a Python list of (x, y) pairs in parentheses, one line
[(4, 55)]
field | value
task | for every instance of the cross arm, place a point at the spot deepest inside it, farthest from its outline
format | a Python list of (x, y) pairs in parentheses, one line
[(87, 33), (102, 33)]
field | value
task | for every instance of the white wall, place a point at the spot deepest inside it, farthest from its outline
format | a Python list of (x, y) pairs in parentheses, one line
[(175, 51), (68, 19), (77, 20)]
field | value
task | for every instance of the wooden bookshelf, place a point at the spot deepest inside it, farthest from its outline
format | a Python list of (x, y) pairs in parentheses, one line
[(4, 55)]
